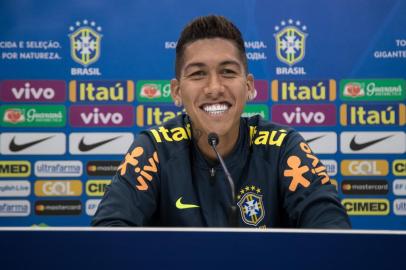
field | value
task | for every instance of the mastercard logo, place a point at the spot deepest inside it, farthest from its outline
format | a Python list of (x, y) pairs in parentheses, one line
[(40, 207), (347, 187)]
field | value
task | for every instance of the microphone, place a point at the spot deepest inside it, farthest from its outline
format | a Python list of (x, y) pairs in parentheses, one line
[(213, 140)]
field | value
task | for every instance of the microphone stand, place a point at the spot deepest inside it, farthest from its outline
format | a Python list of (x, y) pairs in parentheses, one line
[(213, 140)]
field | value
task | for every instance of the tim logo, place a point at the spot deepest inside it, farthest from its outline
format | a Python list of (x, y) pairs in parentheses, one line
[(85, 42), (304, 115), (290, 42), (33, 90), (103, 116)]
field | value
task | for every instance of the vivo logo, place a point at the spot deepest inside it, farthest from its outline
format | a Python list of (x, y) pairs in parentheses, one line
[(81, 116), (304, 115), (35, 90)]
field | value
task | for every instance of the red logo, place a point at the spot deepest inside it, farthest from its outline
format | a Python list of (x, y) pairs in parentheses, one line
[(13, 116), (150, 91), (353, 90)]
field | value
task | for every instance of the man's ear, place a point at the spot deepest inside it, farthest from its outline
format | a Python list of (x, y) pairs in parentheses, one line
[(251, 93), (175, 92)]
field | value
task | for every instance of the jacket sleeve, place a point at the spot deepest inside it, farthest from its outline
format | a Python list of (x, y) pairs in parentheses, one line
[(310, 200), (131, 198)]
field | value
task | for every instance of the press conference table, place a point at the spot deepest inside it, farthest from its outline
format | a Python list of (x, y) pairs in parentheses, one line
[(163, 248)]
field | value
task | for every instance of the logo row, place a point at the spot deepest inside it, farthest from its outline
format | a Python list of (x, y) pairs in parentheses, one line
[(114, 143), (159, 90), (145, 115), (58, 168), (21, 208), (52, 188), (73, 168)]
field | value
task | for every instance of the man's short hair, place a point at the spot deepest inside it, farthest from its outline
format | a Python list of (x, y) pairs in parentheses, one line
[(211, 26)]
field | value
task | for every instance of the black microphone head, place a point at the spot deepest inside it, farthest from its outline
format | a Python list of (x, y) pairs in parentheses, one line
[(213, 139)]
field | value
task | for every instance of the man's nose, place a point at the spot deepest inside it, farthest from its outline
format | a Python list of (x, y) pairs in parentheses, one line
[(214, 85)]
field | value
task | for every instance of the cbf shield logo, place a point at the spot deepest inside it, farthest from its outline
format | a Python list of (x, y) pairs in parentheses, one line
[(85, 42), (251, 205), (290, 42)]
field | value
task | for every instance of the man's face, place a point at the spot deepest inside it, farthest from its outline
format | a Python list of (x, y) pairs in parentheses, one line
[(213, 86)]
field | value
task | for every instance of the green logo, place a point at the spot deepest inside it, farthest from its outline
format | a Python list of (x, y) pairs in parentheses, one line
[(251, 110), (181, 205), (33, 116), (373, 90), (154, 91)]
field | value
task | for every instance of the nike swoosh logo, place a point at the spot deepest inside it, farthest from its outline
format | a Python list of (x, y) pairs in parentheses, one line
[(359, 146), (19, 147), (87, 147), (315, 138), (181, 205)]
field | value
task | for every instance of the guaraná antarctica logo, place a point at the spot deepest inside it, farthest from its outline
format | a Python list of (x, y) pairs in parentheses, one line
[(251, 205), (85, 44), (290, 37)]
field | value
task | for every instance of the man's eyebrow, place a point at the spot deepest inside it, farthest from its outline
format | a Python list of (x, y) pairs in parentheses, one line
[(230, 62), (224, 63), (195, 64)]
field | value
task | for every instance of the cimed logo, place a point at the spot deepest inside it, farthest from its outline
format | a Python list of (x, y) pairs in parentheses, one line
[(290, 40), (85, 42)]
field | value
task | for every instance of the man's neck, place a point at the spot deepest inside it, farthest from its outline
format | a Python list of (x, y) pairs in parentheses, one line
[(225, 146)]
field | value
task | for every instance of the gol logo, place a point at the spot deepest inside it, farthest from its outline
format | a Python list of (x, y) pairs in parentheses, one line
[(364, 167), (58, 188), (96, 187), (399, 167), (366, 207)]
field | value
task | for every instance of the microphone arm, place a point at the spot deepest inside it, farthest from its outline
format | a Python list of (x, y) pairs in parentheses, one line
[(213, 140)]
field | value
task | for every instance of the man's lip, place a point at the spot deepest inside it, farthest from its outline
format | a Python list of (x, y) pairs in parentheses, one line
[(214, 103)]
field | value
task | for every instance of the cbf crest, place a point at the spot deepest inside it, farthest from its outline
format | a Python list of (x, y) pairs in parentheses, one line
[(290, 41), (251, 205), (85, 42)]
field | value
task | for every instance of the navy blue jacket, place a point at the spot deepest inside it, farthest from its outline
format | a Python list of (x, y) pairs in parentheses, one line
[(165, 180)]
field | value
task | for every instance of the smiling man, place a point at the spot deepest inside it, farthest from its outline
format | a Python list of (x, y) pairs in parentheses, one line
[(171, 176)]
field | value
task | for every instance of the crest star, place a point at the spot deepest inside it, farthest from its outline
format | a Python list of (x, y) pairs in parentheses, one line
[(252, 188), (247, 188)]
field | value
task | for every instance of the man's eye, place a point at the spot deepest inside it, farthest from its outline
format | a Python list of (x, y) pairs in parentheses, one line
[(197, 74), (228, 72)]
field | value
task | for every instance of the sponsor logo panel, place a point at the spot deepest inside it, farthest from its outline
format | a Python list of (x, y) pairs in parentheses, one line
[(331, 166), (155, 115), (49, 188), (399, 167), (101, 116), (399, 187), (58, 207), (321, 142), (304, 115), (262, 91), (91, 206), (373, 142), (109, 143), (33, 143), (15, 188), (33, 91), (251, 110), (58, 168), (154, 91), (399, 207), (365, 167), (102, 167), (366, 207), (373, 115), (365, 187), (96, 187), (33, 116), (303, 90), (373, 90), (101, 91), (15, 208), (14, 168)]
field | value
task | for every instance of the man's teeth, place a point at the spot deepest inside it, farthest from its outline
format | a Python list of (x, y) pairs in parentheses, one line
[(215, 108)]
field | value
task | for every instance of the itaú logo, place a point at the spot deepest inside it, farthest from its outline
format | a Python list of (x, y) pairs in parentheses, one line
[(58, 188)]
